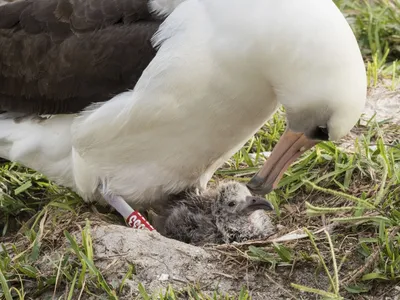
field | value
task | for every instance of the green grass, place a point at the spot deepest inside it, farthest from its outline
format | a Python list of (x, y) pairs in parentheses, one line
[(376, 24), (357, 191)]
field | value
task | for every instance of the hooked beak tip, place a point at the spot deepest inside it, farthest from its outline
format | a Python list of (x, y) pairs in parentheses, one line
[(254, 203)]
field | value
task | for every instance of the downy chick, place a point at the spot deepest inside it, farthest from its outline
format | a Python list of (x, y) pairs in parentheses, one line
[(226, 214)]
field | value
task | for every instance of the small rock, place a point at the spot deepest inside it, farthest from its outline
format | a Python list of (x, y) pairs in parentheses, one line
[(163, 277), (280, 227)]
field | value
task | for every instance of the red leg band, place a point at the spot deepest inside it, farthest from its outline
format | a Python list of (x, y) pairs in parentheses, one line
[(137, 221)]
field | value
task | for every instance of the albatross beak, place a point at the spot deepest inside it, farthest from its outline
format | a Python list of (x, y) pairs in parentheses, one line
[(290, 146), (253, 203)]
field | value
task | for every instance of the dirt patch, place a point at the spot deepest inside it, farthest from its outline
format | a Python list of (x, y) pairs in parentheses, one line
[(384, 103), (161, 262)]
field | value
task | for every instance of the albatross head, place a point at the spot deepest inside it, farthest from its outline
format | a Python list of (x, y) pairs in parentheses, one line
[(318, 75)]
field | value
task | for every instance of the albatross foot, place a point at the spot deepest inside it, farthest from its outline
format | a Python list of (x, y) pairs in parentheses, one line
[(132, 217)]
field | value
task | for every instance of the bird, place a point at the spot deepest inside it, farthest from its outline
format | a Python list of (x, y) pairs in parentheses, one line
[(225, 214), (127, 102)]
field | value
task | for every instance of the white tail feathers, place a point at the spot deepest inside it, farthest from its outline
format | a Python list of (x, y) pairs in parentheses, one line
[(44, 146)]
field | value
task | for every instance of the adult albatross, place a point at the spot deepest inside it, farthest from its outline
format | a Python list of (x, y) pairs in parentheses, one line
[(143, 100)]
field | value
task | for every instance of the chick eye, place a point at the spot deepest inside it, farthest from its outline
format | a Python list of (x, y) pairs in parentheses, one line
[(232, 203)]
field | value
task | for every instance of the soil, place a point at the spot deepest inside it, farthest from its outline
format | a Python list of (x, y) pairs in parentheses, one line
[(161, 262), (384, 103)]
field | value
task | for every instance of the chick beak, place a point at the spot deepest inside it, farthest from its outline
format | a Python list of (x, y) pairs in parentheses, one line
[(254, 203), (290, 146)]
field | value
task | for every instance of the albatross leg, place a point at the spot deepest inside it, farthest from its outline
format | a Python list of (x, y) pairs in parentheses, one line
[(132, 217)]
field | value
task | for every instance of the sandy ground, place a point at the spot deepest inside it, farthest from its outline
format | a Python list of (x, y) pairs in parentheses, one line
[(160, 262), (384, 103)]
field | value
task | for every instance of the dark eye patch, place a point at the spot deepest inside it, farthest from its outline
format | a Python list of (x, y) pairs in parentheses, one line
[(321, 133), (232, 203)]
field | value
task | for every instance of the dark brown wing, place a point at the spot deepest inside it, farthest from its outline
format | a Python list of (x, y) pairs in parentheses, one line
[(59, 56)]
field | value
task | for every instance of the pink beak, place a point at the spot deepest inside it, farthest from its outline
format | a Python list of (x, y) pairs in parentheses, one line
[(290, 146)]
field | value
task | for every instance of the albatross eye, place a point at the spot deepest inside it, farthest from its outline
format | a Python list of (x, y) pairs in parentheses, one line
[(321, 133), (232, 203)]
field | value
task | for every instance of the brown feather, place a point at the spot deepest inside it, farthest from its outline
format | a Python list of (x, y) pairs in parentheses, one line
[(59, 56)]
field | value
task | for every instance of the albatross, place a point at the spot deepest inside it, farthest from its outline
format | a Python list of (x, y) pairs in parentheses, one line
[(137, 100)]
